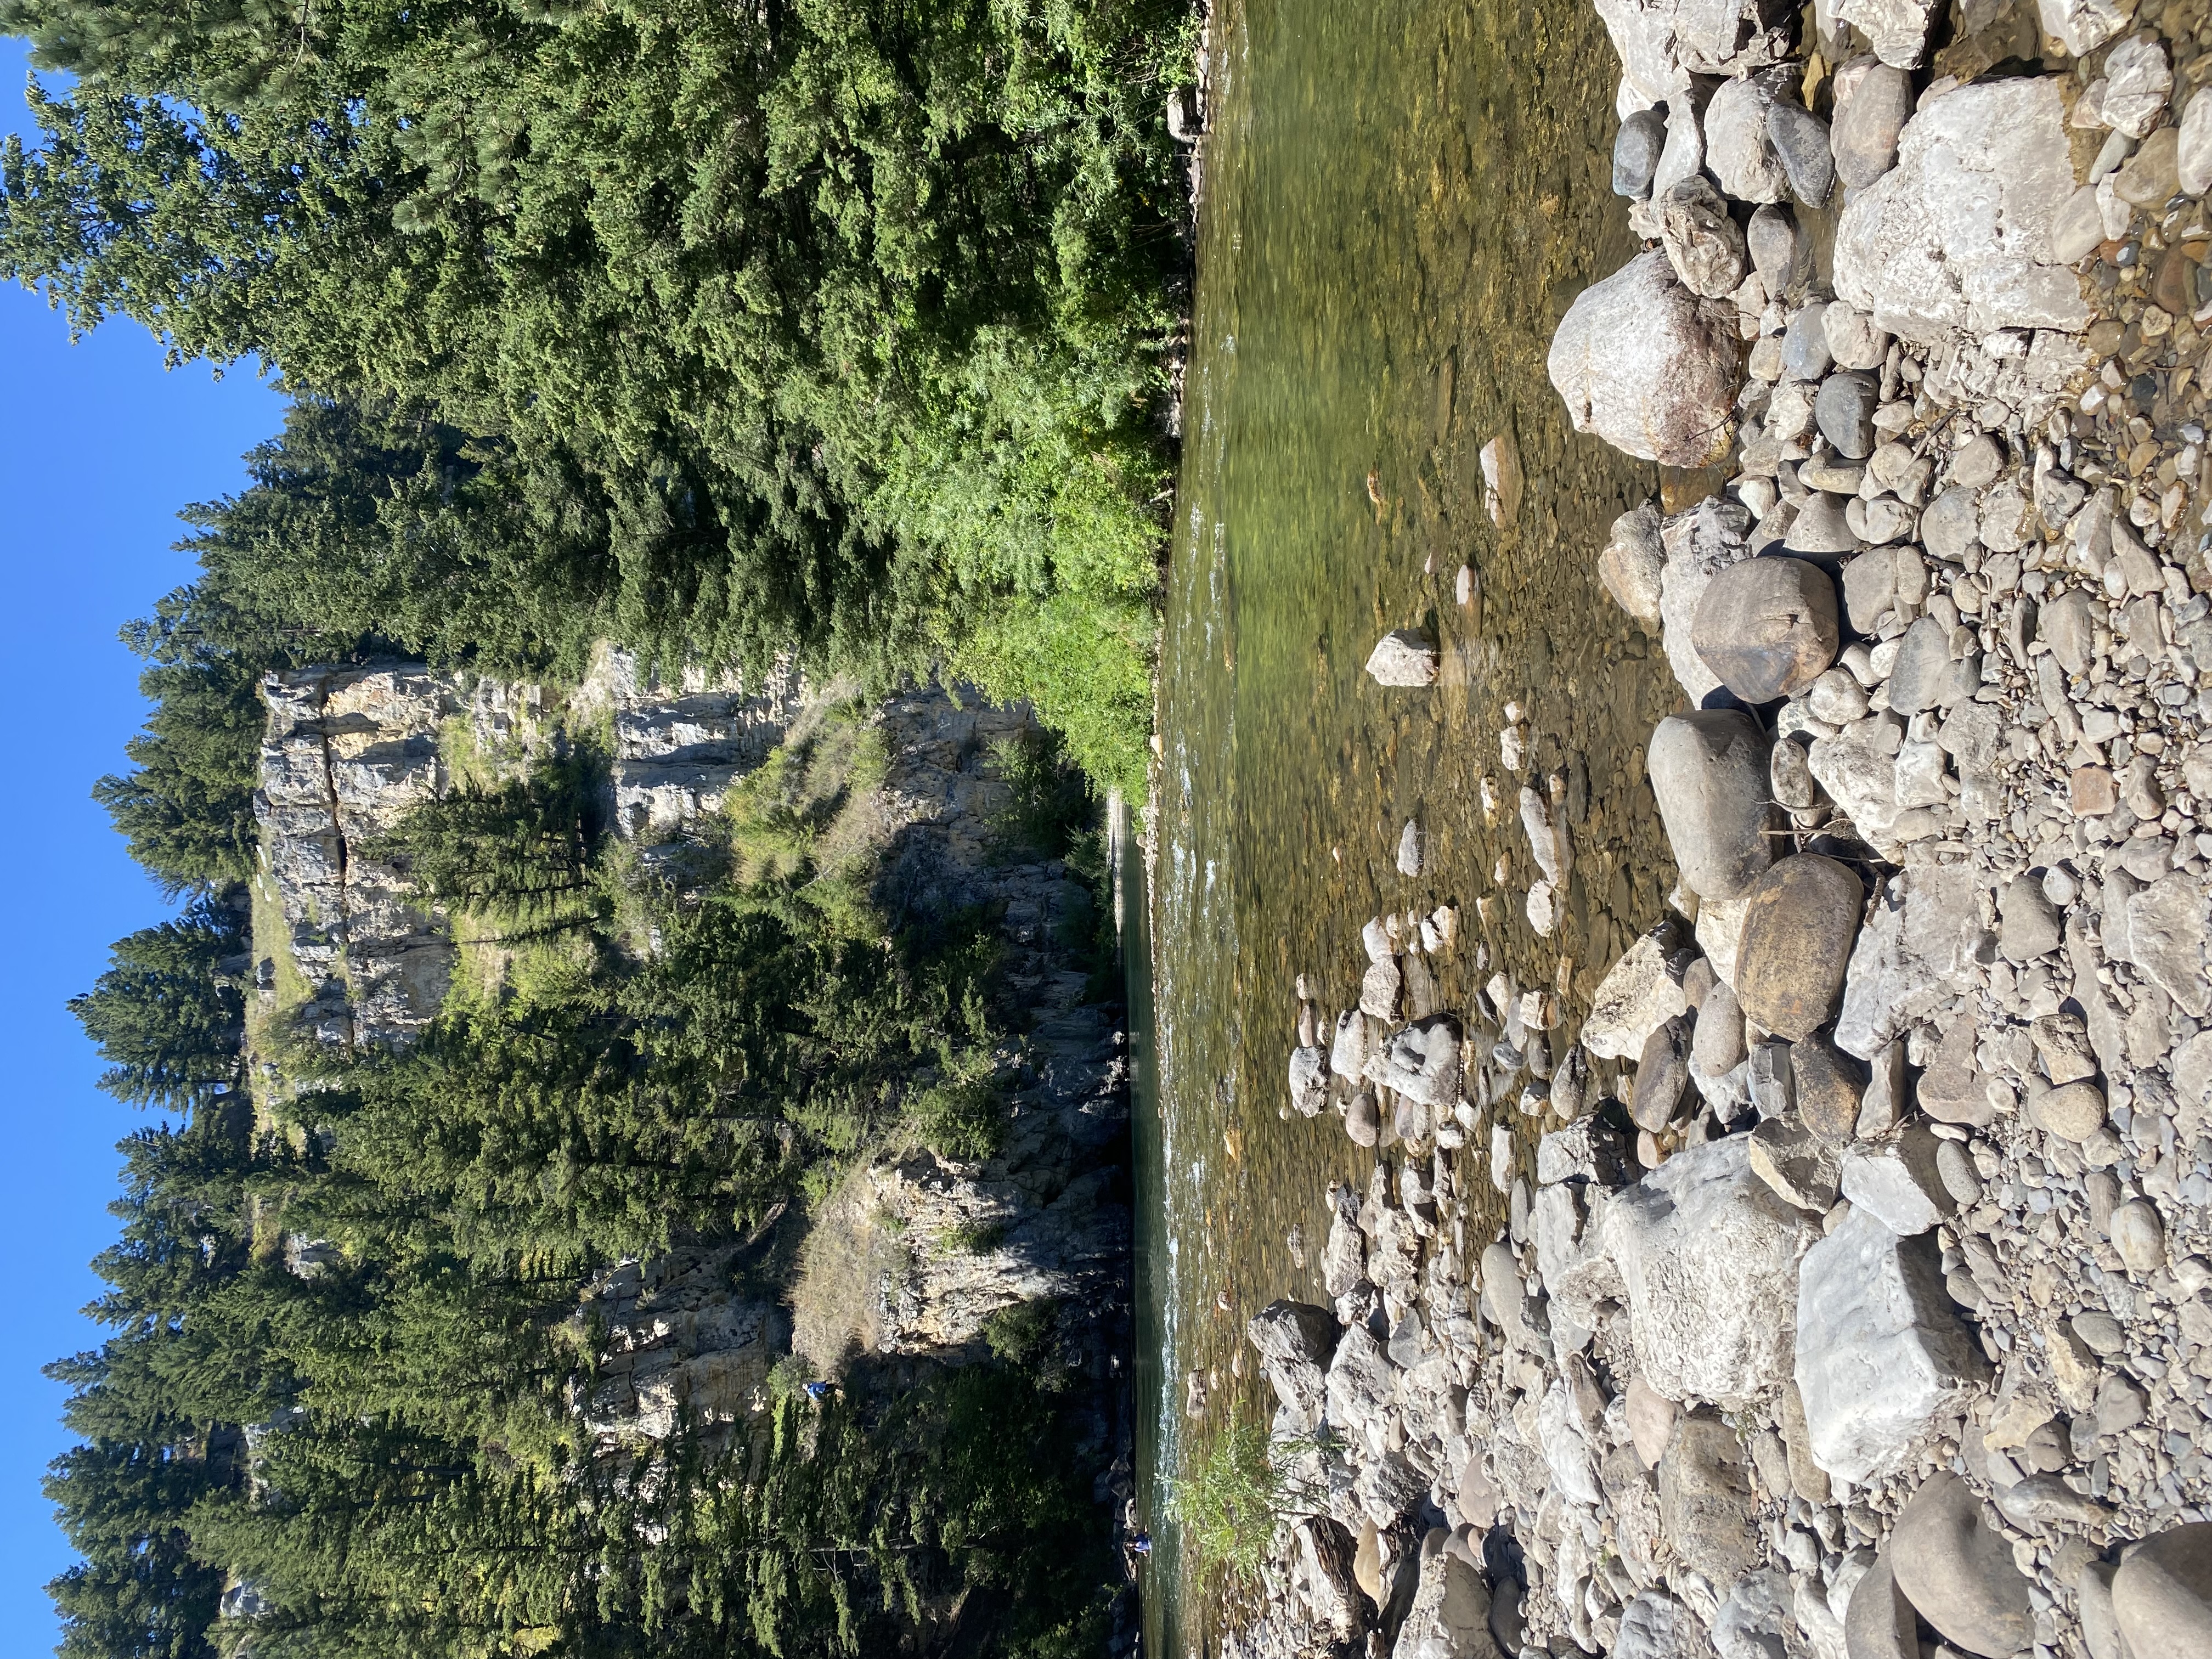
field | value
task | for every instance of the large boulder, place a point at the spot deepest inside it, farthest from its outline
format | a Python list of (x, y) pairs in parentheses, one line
[(1922, 944), (2162, 1595), (1798, 924), (1706, 1502), (1767, 627), (1449, 1618), (1295, 1340), (1700, 543), (1709, 770), (1644, 366), (1958, 1573), (1662, 43), (1707, 1253), (1955, 239), (1880, 1353)]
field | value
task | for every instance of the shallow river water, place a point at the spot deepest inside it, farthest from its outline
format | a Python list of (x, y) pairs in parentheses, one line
[(1401, 198)]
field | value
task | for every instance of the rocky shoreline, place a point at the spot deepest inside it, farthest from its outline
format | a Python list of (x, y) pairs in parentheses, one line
[(1861, 1303)]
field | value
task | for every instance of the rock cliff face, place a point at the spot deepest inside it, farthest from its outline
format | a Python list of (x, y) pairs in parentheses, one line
[(912, 1256)]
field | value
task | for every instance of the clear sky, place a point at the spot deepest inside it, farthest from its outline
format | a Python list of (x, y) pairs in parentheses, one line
[(99, 447)]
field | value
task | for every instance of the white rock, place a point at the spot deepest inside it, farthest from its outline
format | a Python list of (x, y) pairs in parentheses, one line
[(1547, 839), (1897, 28), (2137, 82), (2195, 158), (1706, 1254), (1567, 1450), (1635, 998), (1880, 1353), (2166, 933), (1405, 657), (1699, 544), (1956, 238), (1737, 150), (1897, 1183), (2082, 26), (1858, 768), (1662, 43), (1921, 945), (1643, 366)]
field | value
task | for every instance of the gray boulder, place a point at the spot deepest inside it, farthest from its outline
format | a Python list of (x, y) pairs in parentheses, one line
[(1739, 151), (1844, 412), (2162, 1593), (1640, 364), (1702, 242), (1632, 563), (1449, 1618), (1706, 1505), (1766, 627), (1709, 770), (1958, 1573), (1874, 100), (1880, 1353), (1800, 140), (1636, 153), (1705, 1252)]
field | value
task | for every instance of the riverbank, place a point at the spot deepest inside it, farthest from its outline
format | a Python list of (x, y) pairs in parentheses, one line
[(1859, 1286)]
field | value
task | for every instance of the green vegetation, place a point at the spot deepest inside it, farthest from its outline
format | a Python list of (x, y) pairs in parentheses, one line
[(836, 324), (347, 1349), (830, 329), (1232, 1496)]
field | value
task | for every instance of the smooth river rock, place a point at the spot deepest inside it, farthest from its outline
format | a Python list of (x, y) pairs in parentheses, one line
[(1880, 1623), (1767, 627), (1844, 412), (1636, 153), (1644, 367), (1663, 1075), (2162, 1593), (1958, 1573), (1801, 917), (1874, 100), (1709, 769)]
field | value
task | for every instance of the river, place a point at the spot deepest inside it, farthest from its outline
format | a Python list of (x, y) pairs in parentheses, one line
[(1400, 200)]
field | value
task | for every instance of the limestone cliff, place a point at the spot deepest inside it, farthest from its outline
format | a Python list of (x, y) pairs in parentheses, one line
[(912, 1254)]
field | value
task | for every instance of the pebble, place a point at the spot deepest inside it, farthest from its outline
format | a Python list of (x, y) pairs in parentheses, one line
[(1844, 412), (2074, 1112), (2138, 1235)]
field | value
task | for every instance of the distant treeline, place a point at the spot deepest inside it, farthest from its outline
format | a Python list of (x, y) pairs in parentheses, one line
[(721, 330)]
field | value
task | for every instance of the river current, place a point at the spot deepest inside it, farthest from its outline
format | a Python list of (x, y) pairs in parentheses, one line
[(1400, 200)]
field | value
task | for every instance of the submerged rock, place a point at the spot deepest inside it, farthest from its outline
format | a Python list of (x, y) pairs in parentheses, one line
[(1406, 656)]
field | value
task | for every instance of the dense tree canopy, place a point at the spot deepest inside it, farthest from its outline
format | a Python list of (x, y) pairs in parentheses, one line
[(838, 323)]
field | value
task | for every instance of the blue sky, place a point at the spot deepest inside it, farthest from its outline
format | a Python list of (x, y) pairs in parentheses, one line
[(99, 447)]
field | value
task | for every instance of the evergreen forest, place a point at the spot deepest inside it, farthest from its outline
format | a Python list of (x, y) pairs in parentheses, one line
[(832, 332)]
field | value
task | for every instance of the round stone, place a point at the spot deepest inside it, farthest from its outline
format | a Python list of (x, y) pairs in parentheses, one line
[(1845, 413), (1636, 153), (1799, 921), (2072, 1113), (1767, 627), (1959, 1574), (1663, 1075), (2162, 1593), (2138, 1236), (1363, 1119), (1828, 1090)]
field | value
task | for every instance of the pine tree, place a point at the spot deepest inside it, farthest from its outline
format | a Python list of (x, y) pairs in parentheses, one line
[(164, 1016)]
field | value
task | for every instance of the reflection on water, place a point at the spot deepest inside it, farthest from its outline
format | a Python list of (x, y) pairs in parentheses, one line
[(1401, 199)]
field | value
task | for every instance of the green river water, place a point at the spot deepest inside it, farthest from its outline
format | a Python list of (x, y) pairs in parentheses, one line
[(1401, 199)]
